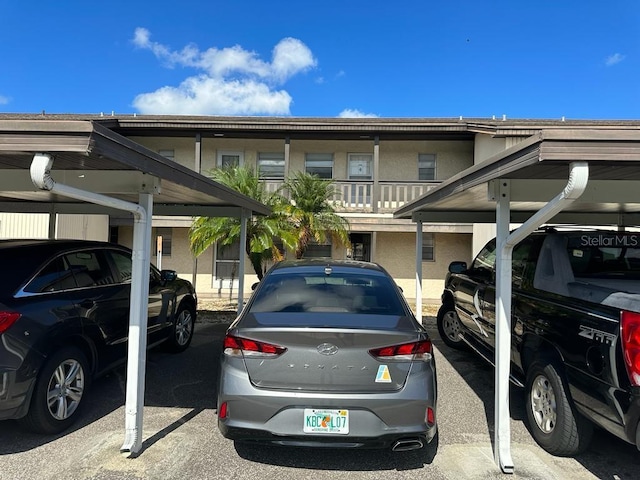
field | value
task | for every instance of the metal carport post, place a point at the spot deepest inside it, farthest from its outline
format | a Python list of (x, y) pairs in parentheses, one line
[(505, 242)]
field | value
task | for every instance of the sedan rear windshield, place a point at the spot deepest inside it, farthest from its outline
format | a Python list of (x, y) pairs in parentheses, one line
[(335, 293)]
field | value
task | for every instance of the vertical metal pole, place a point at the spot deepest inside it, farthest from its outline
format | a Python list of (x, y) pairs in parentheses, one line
[(502, 430), (159, 252), (375, 195), (244, 218), (53, 218), (418, 311), (198, 168), (287, 154), (138, 318)]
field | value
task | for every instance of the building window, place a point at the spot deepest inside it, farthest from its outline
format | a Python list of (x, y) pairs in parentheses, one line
[(170, 154), (320, 164), (317, 250), (426, 166), (428, 249), (230, 159), (227, 265), (271, 165), (165, 233), (360, 166)]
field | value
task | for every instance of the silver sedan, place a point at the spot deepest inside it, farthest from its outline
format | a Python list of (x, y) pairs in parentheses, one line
[(328, 354)]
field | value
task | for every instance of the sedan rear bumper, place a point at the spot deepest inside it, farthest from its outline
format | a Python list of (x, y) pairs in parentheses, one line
[(333, 441), (376, 420)]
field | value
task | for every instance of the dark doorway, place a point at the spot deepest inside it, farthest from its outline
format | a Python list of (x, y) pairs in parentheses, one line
[(360, 246)]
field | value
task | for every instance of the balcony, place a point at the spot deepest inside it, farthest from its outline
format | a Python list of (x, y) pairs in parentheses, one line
[(360, 197)]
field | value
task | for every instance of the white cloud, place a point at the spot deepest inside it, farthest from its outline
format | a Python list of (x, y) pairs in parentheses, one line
[(4, 100), (233, 80), (203, 95), (351, 113), (614, 59)]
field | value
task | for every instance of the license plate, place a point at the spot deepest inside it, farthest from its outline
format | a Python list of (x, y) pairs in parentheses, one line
[(326, 421)]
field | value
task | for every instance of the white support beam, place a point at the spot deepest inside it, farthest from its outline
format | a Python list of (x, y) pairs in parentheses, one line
[(499, 190), (138, 318), (502, 430), (244, 219), (419, 241)]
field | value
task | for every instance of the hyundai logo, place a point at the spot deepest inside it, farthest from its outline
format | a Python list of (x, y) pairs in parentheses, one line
[(327, 349)]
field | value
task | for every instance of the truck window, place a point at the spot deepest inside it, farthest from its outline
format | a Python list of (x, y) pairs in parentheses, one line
[(520, 260), (604, 255), (484, 264)]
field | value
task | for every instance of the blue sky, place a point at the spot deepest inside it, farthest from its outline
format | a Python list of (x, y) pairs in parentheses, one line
[(546, 59)]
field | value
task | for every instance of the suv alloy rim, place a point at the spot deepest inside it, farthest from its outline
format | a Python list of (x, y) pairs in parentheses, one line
[(65, 389)]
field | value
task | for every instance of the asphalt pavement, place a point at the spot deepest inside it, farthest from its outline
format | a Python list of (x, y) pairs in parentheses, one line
[(181, 439)]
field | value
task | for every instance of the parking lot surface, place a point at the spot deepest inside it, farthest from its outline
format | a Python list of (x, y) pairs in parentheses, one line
[(181, 439)]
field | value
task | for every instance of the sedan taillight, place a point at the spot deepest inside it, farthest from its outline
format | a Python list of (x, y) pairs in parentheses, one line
[(7, 319), (238, 346), (405, 352)]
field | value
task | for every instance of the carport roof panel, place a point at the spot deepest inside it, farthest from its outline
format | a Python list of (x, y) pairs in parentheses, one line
[(538, 169), (86, 153)]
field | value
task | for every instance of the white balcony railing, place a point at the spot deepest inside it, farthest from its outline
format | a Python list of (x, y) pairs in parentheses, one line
[(359, 196)]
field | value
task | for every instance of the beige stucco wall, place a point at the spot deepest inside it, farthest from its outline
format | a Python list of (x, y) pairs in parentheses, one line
[(396, 253), (486, 146), (399, 160)]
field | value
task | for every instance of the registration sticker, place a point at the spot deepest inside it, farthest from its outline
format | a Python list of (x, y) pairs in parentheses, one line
[(383, 375), (326, 421)]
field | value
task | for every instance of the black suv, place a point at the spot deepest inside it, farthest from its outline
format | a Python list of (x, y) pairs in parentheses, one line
[(64, 318)]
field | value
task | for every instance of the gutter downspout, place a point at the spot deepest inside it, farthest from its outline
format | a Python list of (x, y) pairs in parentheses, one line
[(138, 309), (577, 183)]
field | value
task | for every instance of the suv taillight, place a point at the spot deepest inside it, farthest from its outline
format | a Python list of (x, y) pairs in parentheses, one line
[(7, 319), (630, 334)]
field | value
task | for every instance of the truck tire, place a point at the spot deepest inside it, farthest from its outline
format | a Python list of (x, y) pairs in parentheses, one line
[(59, 392), (449, 327), (553, 420)]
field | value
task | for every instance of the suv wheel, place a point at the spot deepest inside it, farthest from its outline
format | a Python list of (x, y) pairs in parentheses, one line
[(59, 392), (553, 421), (182, 330), (449, 327)]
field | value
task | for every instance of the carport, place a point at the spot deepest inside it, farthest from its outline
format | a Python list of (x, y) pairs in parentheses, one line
[(560, 176), (80, 167)]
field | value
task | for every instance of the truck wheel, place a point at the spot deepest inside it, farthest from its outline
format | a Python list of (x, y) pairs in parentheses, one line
[(59, 392), (553, 420), (449, 327), (182, 329)]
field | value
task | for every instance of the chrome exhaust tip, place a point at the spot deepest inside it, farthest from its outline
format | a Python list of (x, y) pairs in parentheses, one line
[(406, 444)]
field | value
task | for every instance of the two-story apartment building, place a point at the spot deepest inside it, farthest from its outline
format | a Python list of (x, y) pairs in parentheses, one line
[(376, 165)]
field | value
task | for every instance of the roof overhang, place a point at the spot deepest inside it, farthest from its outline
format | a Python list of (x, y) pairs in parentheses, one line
[(91, 157), (537, 169)]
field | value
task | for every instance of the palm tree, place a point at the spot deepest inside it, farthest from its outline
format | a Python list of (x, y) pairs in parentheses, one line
[(261, 230), (311, 213)]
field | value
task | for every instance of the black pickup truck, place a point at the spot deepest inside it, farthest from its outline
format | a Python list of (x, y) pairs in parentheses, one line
[(575, 340)]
